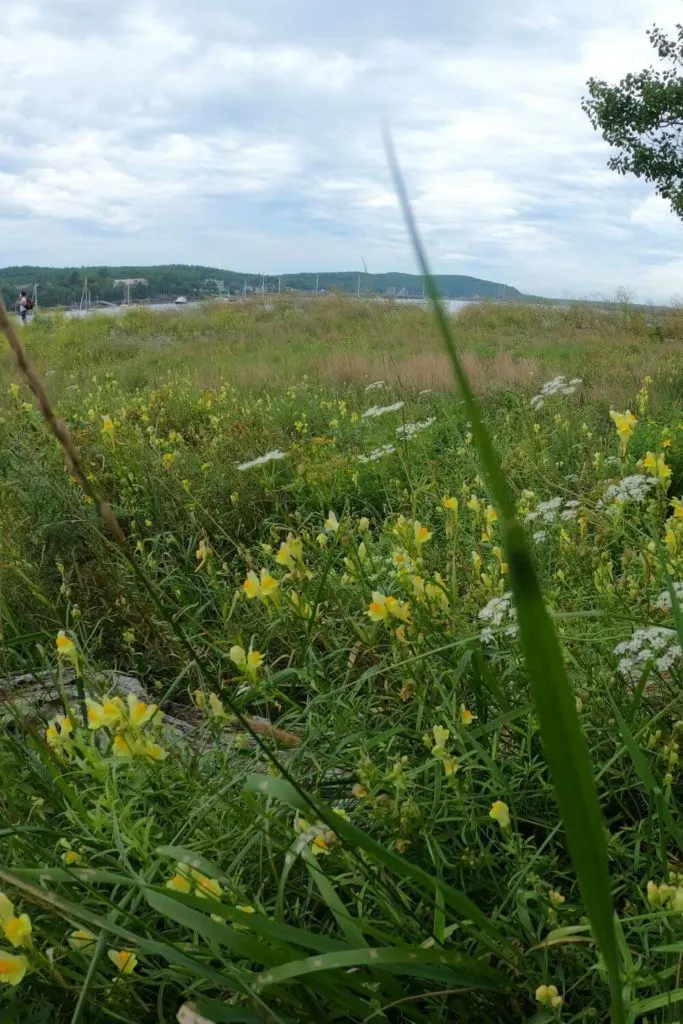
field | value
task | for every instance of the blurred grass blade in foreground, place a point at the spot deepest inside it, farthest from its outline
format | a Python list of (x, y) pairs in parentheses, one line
[(565, 746)]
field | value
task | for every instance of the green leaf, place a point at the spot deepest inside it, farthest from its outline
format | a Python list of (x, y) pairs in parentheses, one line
[(343, 917), (219, 1013), (467, 972), (241, 943), (643, 1006), (565, 746)]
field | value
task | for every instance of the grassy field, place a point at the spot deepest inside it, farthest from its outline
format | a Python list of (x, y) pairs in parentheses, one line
[(352, 590)]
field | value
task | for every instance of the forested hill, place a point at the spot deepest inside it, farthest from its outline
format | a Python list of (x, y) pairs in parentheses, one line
[(63, 286)]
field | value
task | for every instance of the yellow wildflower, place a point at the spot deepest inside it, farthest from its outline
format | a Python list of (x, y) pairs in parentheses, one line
[(625, 422), (153, 751), (331, 523), (58, 733), (108, 426), (441, 737), (263, 587), (6, 908), (202, 554), (122, 747), (72, 858), (450, 503), (548, 995), (12, 968), (18, 930), (377, 609), (216, 706), (473, 503), (657, 467), (139, 713), (82, 940), (252, 586), (556, 898), (179, 882), (363, 524), (123, 961), (466, 717), (254, 662), (249, 662), (206, 887), (500, 812), (290, 553), (66, 648), (401, 559), (245, 909), (108, 713), (397, 609), (421, 534), (491, 515), (476, 562)]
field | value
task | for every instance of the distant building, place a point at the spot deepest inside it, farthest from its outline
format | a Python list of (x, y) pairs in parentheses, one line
[(216, 283)]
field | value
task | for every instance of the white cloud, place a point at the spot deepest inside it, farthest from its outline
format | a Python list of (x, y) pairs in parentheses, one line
[(250, 136)]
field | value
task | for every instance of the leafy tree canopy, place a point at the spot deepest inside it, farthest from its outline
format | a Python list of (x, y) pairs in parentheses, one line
[(642, 118)]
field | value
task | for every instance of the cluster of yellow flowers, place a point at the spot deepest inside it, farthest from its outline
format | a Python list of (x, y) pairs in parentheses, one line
[(129, 722), (625, 422), (17, 929), (189, 880)]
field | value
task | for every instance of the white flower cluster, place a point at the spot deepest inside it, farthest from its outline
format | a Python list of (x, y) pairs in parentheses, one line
[(553, 510), (556, 386), (376, 385), (499, 612), (409, 430), (663, 602), (380, 410), (378, 453), (262, 460), (630, 488), (539, 536), (654, 644)]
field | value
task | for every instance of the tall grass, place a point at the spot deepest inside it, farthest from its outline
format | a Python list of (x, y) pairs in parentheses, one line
[(369, 873)]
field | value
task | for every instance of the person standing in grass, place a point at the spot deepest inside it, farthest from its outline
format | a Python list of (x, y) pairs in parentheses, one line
[(23, 305)]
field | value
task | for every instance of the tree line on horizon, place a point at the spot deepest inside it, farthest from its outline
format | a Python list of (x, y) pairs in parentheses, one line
[(64, 286)]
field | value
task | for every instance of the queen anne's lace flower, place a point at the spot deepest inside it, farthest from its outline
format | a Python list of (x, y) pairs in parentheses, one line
[(499, 612), (262, 460), (654, 645), (556, 386), (630, 488), (553, 510), (380, 410), (378, 453), (409, 430)]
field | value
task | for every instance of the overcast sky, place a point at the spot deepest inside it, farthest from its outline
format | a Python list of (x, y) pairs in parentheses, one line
[(247, 134)]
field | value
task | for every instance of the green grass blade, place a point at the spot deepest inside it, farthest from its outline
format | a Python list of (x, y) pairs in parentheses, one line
[(565, 746), (468, 972), (240, 943)]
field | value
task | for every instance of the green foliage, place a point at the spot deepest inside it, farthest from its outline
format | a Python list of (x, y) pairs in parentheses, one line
[(386, 881), (642, 118), (59, 286)]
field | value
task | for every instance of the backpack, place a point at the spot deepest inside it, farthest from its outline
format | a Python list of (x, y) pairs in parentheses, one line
[(29, 303)]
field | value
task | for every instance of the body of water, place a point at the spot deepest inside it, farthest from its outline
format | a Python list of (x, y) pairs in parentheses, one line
[(452, 305)]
